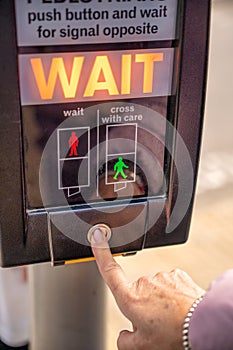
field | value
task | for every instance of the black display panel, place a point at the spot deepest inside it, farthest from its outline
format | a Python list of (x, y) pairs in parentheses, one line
[(109, 142)]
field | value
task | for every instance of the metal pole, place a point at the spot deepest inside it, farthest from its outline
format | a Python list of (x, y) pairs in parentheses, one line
[(67, 307)]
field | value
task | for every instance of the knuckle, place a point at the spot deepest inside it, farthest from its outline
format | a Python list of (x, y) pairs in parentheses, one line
[(162, 275), (179, 273), (142, 282), (140, 289), (176, 271)]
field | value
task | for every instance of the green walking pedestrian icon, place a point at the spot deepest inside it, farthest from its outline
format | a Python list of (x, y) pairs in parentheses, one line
[(118, 168)]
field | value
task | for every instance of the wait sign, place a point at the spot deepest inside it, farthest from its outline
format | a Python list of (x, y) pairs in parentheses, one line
[(91, 76)]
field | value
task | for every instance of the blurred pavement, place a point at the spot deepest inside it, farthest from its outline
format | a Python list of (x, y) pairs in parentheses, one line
[(209, 250)]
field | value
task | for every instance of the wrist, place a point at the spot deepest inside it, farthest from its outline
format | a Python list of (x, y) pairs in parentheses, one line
[(185, 330)]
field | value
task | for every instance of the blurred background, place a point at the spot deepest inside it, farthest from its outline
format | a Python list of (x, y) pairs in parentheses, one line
[(209, 250)]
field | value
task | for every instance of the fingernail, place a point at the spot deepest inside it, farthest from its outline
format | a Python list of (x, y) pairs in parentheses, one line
[(98, 236)]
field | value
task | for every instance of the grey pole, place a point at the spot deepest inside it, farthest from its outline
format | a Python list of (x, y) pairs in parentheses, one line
[(67, 307)]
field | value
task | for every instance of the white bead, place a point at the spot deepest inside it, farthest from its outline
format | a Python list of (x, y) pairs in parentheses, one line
[(185, 330)]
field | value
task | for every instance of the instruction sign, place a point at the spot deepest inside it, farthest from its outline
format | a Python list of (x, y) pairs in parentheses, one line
[(72, 22)]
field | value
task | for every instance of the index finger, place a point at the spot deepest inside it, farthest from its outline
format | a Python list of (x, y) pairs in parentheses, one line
[(111, 272)]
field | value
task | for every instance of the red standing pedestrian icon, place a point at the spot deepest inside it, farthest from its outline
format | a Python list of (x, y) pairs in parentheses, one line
[(73, 144)]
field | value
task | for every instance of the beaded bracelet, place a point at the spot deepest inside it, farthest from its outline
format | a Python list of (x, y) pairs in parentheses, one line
[(185, 332)]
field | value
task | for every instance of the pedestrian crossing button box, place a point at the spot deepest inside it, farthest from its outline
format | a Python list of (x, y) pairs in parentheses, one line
[(101, 121)]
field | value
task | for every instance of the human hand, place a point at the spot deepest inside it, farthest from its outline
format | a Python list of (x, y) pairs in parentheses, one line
[(156, 305)]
